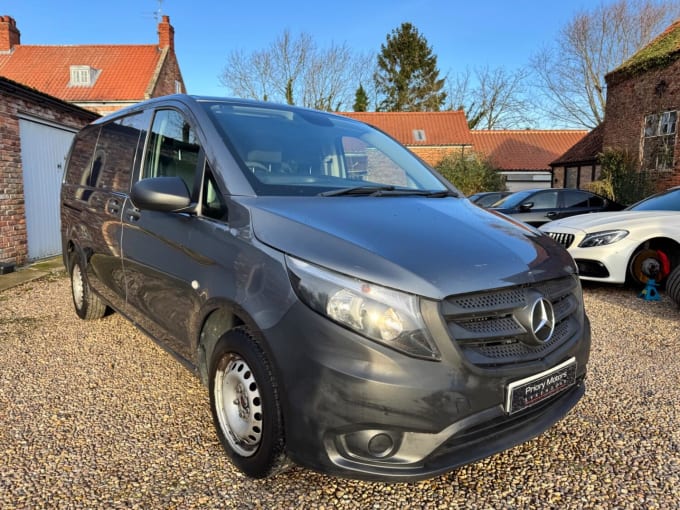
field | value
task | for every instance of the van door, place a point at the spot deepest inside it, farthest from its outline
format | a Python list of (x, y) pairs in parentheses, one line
[(161, 254), (95, 189)]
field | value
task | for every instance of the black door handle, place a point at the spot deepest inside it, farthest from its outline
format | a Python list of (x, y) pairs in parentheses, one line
[(113, 206), (132, 214)]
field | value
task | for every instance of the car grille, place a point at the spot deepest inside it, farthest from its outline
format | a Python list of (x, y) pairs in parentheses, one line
[(485, 326), (563, 239)]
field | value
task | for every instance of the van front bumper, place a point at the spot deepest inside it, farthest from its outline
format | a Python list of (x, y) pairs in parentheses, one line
[(357, 409)]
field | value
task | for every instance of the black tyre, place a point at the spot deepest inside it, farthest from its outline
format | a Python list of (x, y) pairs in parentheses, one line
[(673, 285), (245, 405), (87, 304)]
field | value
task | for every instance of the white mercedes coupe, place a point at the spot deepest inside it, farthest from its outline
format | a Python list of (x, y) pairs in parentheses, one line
[(631, 246)]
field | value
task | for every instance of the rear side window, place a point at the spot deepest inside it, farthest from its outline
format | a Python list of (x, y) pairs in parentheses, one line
[(80, 161), (116, 151), (173, 148), (573, 198)]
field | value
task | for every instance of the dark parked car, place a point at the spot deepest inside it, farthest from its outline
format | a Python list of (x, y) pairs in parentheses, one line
[(488, 198), (347, 308), (539, 206)]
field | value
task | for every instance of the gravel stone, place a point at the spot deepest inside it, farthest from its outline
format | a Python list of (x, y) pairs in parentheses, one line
[(96, 415)]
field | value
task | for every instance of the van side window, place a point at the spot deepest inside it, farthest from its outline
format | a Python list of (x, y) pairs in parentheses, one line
[(212, 201), (172, 149), (114, 157), (80, 162)]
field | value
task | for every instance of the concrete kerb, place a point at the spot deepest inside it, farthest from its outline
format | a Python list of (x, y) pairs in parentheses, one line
[(31, 272)]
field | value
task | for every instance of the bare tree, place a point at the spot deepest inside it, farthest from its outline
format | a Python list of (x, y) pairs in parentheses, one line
[(570, 73), (295, 71), (496, 100)]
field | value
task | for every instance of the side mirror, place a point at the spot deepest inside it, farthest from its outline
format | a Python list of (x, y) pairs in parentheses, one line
[(526, 206), (165, 194)]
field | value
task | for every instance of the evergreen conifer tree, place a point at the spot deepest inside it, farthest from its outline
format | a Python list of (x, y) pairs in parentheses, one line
[(407, 74)]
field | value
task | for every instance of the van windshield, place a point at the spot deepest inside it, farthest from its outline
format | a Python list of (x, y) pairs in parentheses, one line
[(290, 151)]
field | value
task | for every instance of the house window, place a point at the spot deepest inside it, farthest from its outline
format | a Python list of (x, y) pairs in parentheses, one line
[(419, 135), (659, 141), (178, 87), (83, 76)]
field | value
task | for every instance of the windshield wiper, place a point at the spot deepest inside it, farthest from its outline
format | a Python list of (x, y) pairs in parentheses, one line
[(388, 191), (357, 190)]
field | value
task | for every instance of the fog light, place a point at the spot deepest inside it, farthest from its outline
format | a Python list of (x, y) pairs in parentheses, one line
[(380, 445)]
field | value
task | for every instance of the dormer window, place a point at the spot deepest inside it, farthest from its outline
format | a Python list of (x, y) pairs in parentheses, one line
[(83, 76), (419, 135)]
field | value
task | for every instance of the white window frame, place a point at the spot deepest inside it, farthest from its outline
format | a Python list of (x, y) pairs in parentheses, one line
[(83, 76), (659, 138)]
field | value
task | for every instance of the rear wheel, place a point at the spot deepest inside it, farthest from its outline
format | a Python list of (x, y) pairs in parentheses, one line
[(673, 285), (87, 304), (245, 405)]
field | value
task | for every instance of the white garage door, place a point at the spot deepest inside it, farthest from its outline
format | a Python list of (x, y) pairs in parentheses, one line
[(43, 153)]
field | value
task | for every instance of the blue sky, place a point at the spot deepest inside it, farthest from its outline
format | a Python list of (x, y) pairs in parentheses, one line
[(500, 33)]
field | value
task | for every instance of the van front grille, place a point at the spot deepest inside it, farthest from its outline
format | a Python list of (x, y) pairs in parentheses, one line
[(486, 326)]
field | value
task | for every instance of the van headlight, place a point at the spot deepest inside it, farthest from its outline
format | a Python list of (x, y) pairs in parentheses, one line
[(602, 238), (385, 315)]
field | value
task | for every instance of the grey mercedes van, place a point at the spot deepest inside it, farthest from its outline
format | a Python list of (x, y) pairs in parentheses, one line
[(347, 308)]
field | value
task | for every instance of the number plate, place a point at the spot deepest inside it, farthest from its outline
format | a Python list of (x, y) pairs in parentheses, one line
[(532, 390)]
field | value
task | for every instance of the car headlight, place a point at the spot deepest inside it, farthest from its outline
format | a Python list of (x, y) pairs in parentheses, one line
[(602, 238), (384, 315)]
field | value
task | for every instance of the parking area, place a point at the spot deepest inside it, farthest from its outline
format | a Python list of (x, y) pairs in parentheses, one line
[(95, 415)]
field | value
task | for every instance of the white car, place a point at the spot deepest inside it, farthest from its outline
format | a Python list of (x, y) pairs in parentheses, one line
[(633, 246)]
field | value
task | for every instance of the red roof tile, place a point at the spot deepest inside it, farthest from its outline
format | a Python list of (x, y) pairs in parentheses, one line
[(126, 70), (525, 150), (420, 128), (585, 151)]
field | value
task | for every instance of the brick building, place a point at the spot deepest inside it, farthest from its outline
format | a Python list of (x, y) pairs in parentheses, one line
[(35, 131), (47, 93), (579, 166), (99, 77), (523, 156), (643, 99)]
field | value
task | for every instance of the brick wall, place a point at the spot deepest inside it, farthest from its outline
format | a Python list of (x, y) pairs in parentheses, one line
[(629, 100), (167, 76), (14, 99)]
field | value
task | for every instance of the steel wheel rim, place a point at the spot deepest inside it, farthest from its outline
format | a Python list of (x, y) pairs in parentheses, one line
[(78, 287), (238, 404)]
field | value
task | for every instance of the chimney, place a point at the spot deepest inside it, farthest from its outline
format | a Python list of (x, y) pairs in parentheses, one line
[(9, 35), (166, 34)]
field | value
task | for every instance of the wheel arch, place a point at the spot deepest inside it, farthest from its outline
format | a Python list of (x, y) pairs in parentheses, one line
[(218, 318)]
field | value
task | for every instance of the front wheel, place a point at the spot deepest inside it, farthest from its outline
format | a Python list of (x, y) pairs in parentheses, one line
[(648, 264), (245, 405)]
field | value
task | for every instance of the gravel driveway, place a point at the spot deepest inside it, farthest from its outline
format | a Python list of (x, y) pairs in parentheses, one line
[(95, 415)]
